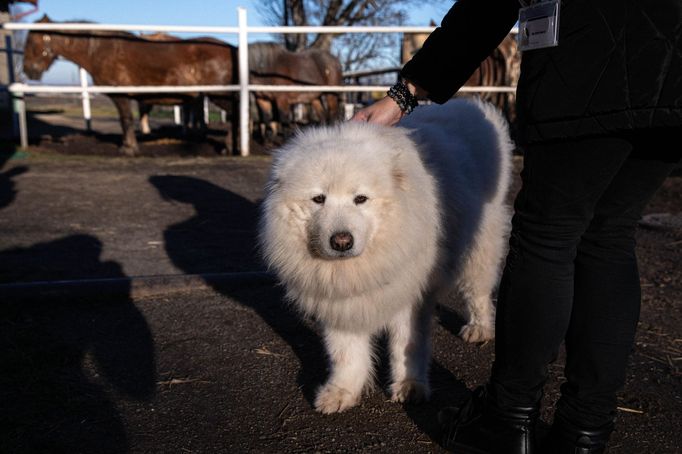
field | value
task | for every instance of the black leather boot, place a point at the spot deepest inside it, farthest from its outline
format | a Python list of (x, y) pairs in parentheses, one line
[(481, 427), (568, 438)]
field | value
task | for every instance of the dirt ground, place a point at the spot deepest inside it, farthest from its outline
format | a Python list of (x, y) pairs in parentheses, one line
[(115, 360)]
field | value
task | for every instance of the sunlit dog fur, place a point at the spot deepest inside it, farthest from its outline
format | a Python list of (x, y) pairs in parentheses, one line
[(368, 227)]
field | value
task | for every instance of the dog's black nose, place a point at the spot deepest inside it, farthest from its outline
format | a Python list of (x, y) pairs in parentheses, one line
[(341, 241)]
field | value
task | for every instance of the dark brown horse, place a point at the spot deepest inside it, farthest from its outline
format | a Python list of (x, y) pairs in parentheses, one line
[(121, 58), (271, 64), (500, 69)]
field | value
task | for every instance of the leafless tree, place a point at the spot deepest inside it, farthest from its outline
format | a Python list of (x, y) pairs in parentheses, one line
[(354, 50)]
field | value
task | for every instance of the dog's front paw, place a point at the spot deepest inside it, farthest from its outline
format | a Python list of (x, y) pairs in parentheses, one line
[(410, 391), (332, 399), (477, 333)]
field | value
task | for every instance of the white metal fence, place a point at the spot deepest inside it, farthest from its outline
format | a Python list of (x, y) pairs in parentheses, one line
[(243, 88)]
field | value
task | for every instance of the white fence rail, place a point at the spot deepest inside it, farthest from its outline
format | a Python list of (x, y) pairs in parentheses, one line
[(242, 30)]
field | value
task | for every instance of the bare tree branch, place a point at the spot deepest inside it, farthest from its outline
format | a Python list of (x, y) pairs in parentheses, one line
[(354, 50)]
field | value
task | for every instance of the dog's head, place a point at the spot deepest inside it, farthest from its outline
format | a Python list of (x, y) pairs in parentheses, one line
[(333, 187)]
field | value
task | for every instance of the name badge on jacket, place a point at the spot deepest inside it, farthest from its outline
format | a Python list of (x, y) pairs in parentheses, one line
[(539, 25)]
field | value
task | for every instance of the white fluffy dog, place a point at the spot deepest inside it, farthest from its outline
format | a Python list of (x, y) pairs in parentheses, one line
[(369, 226)]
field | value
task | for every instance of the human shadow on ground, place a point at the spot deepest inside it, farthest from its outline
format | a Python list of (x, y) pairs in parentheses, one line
[(64, 358), (221, 237)]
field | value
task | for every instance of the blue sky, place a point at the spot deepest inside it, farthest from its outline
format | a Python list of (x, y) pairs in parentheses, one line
[(174, 12)]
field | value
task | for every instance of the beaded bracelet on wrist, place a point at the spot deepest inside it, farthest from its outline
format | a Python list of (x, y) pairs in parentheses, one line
[(402, 96)]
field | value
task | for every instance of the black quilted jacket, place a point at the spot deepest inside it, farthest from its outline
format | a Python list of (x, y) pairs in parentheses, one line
[(618, 65)]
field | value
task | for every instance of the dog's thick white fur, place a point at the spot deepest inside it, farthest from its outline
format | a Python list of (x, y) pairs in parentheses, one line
[(369, 226)]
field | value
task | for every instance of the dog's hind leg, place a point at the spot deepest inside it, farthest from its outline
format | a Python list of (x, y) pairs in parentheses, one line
[(409, 341), (480, 274), (350, 355)]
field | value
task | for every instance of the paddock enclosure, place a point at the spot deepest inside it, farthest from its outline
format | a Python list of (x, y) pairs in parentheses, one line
[(250, 98)]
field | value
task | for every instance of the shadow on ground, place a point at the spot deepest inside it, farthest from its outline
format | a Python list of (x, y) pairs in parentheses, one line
[(165, 139), (225, 225), (225, 221), (62, 357)]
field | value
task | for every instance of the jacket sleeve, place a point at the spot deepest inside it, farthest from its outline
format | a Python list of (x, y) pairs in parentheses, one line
[(468, 33)]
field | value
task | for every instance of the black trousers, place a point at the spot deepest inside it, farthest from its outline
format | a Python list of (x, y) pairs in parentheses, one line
[(571, 273)]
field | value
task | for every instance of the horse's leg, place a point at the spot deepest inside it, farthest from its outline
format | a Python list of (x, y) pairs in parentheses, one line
[(318, 108), (267, 120), (284, 112), (229, 105), (275, 121), (256, 129), (187, 111), (129, 143), (144, 110), (332, 107), (199, 120)]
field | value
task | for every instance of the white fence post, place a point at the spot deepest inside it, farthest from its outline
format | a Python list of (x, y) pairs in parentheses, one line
[(19, 109), (243, 84), (177, 115), (206, 111), (87, 114), (18, 101), (348, 110)]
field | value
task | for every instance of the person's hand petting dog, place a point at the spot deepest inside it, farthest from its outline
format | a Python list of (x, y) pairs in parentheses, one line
[(384, 112), (387, 111)]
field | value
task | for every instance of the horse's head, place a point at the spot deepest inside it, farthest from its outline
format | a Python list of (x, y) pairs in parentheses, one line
[(38, 53)]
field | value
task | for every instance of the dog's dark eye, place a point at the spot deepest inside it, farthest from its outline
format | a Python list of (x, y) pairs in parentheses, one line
[(319, 198), (360, 199)]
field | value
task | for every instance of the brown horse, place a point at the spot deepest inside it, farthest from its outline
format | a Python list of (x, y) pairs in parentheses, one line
[(271, 64), (121, 58), (192, 113)]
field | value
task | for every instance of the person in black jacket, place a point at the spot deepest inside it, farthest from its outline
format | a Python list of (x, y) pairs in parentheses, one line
[(599, 117)]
